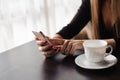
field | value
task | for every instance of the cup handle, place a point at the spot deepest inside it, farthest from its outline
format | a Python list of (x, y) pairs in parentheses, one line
[(111, 50)]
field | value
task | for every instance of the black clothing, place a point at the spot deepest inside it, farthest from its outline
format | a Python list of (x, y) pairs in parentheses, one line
[(82, 17), (78, 22)]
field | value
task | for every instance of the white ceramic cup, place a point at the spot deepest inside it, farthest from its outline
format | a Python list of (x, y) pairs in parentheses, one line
[(95, 50)]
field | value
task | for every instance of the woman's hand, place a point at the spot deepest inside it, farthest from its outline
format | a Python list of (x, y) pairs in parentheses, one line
[(47, 49), (67, 47), (70, 46)]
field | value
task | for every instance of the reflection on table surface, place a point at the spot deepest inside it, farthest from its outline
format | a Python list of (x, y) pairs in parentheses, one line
[(26, 63)]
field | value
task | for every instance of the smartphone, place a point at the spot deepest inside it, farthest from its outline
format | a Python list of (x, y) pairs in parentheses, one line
[(41, 36)]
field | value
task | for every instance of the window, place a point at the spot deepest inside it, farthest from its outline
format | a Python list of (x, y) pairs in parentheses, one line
[(19, 17)]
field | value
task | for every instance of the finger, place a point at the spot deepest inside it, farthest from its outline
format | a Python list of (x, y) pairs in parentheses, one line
[(76, 47), (36, 38), (72, 50), (41, 43), (45, 48), (66, 42), (49, 53), (58, 50), (68, 49), (56, 46)]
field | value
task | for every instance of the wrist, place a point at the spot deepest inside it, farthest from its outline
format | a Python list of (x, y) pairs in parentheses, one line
[(57, 36)]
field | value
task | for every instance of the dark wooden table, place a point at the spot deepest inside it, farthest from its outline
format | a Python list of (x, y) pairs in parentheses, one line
[(26, 63)]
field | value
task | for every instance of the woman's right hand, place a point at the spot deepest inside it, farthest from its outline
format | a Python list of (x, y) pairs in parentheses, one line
[(47, 49)]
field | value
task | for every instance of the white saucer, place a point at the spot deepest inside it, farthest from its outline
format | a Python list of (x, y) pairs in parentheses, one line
[(108, 62)]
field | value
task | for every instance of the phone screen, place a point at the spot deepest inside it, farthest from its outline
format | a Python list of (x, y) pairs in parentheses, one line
[(41, 36)]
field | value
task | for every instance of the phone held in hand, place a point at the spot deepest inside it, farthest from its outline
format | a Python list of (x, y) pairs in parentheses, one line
[(41, 36)]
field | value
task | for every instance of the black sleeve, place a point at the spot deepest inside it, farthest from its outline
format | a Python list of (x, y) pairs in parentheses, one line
[(82, 17)]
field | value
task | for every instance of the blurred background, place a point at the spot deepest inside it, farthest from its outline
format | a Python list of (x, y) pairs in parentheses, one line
[(19, 17)]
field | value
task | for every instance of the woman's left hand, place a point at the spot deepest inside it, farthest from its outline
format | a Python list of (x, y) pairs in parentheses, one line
[(70, 46)]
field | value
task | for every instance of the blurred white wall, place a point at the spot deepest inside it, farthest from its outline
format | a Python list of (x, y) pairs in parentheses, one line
[(19, 17)]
